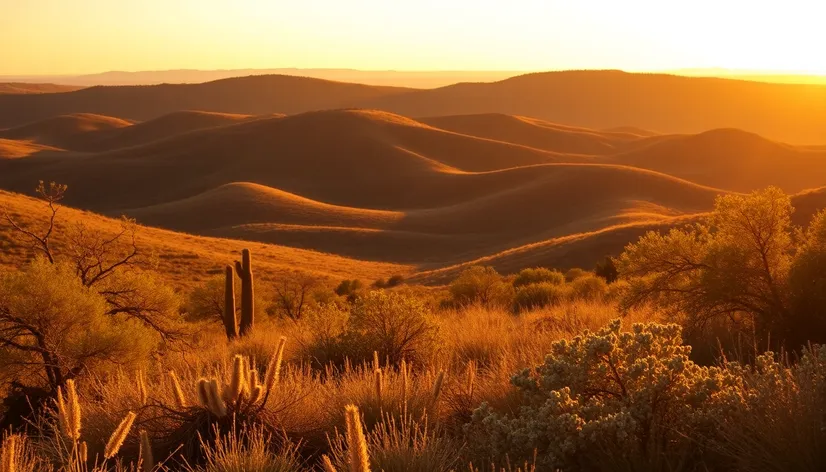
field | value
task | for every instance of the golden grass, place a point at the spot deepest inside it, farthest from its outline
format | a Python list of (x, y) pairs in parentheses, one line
[(184, 260)]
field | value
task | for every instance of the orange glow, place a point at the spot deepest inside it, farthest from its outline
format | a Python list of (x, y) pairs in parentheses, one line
[(83, 36)]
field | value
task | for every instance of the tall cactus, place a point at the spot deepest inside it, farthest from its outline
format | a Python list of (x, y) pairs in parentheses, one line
[(230, 320), (244, 270)]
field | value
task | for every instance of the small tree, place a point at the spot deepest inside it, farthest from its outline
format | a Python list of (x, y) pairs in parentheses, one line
[(733, 266), (479, 284), (108, 264), (607, 269), (394, 325), (53, 326), (293, 295)]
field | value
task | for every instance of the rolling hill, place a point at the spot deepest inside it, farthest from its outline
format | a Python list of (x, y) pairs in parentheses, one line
[(791, 113), (86, 132), (731, 159), (349, 157), (430, 195), (254, 95)]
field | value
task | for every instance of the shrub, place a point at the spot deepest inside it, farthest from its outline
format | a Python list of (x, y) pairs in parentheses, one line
[(395, 280), (538, 275), (481, 285), (589, 287), (575, 273), (394, 325), (321, 336), (616, 290), (607, 269), (539, 295), (609, 397), (348, 287)]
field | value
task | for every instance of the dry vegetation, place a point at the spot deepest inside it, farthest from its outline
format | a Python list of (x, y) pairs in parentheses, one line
[(539, 370)]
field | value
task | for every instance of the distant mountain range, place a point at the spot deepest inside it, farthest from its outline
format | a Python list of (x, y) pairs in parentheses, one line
[(414, 79), (393, 78)]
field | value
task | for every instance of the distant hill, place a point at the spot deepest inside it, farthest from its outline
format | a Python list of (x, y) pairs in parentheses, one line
[(731, 159), (608, 99), (254, 95), (532, 132), (87, 132), (415, 79), (431, 195), (21, 88)]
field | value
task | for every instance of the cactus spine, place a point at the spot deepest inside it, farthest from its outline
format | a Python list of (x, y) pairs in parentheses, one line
[(244, 270), (230, 321)]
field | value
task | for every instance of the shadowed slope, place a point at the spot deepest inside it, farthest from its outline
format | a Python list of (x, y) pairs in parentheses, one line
[(65, 131), (532, 132), (528, 206), (94, 133), (608, 99), (731, 159), (254, 95), (350, 158)]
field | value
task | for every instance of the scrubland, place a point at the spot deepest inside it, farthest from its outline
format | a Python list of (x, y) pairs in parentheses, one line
[(694, 349)]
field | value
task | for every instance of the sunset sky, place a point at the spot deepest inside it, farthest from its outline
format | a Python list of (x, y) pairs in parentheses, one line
[(85, 36)]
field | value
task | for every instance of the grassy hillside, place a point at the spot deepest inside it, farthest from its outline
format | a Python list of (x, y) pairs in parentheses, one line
[(182, 259)]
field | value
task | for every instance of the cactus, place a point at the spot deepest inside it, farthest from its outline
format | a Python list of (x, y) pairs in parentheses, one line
[(230, 321), (244, 270)]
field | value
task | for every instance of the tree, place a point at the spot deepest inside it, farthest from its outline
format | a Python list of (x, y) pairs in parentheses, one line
[(53, 326), (733, 266), (109, 264), (807, 284), (294, 294)]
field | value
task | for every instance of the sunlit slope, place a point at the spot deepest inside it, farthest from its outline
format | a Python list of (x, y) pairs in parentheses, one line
[(183, 259), (13, 149)]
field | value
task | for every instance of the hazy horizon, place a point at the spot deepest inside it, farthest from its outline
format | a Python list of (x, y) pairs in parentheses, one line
[(59, 38)]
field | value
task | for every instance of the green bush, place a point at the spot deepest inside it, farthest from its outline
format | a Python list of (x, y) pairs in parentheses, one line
[(540, 295), (538, 275), (607, 398)]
